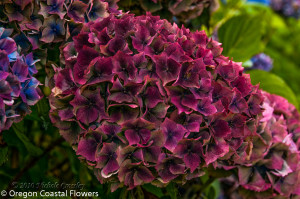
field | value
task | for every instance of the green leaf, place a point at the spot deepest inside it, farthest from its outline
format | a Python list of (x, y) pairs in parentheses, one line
[(273, 84), (217, 188), (84, 174), (124, 194), (37, 172), (3, 155), (241, 36), (211, 193), (286, 68), (154, 190), (31, 148), (43, 107), (171, 189), (12, 140), (204, 178), (139, 194)]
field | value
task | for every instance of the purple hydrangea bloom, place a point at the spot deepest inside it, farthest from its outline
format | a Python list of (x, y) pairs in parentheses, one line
[(163, 100), (18, 88)]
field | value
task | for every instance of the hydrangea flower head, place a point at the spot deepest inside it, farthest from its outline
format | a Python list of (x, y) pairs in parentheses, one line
[(18, 88), (273, 169), (145, 100)]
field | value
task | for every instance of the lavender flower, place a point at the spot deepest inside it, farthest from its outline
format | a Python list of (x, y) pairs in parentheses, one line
[(262, 62)]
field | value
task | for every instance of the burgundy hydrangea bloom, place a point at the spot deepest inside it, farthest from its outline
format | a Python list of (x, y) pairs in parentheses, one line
[(138, 131), (273, 164), (88, 106), (164, 100), (173, 133), (88, 144), (169, 167), (191, 152), (106, 158), (18, 88), (133, 175)]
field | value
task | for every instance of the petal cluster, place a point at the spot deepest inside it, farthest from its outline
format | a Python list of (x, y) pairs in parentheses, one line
[(18, 88), (144, 101), (53, 21), (273, 169)]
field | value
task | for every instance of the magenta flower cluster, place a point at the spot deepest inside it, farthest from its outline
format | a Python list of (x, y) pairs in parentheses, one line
[(18, 88), (142, 100), (275, 157), (273, 168)]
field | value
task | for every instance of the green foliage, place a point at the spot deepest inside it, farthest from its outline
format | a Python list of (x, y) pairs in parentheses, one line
[(172, 191), (273, 84), (3, 155), (154, 190), (241, 36), (212, 193), (20, 133), (284, 49)]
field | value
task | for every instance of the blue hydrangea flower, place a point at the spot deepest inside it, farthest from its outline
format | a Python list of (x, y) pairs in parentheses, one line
[(262, 62), (18, 89)]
